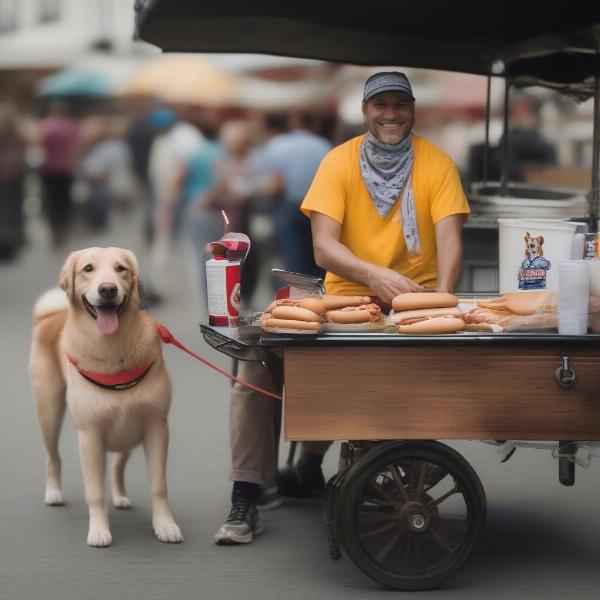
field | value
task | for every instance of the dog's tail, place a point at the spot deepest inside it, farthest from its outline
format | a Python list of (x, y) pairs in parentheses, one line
[(51, 301)]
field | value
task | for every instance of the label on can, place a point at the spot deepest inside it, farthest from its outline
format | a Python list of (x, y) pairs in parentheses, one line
[(223, 292)]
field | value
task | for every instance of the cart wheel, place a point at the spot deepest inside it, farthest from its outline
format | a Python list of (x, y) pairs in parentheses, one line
[(411, 513)]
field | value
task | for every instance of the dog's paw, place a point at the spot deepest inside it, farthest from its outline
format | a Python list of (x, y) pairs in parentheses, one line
[(121, 502), (54, 497), (99, 538), (168, 532)]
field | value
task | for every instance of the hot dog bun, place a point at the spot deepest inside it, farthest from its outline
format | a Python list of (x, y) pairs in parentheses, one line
[(306, 326), (335, 302), (313, 303), (415, 300), (436, 325), (295, 313), (407, 315)]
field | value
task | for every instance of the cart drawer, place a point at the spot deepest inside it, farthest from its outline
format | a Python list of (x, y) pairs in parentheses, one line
[(440, 393)]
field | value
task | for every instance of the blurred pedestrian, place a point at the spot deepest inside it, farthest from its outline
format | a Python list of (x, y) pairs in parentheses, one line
[(170, 151), (58, 136), (294, 157), (140, 138), (103, 165), (12, 173), (237, 184)]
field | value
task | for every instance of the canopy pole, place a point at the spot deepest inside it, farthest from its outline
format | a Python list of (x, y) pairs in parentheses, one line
[(504, 174), (486, 149), (594, 194)]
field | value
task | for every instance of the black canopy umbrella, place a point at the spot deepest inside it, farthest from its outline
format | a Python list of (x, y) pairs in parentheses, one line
[(455, 35), (555, 43)]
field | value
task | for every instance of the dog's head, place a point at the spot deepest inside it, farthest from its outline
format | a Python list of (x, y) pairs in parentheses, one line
[(103, 282), (533, 245)]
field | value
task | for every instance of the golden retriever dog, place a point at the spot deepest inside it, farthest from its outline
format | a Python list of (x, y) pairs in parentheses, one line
[(96, 351)]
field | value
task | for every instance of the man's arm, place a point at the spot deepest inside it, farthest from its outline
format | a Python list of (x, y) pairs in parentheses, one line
[(448, 237), (332, 255)]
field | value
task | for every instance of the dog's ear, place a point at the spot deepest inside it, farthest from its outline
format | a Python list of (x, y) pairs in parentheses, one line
[(66, 279), (527, 236), (132, 264), (541, 240)]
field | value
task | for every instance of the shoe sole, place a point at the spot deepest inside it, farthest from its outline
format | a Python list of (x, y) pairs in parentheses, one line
[(232, 539)]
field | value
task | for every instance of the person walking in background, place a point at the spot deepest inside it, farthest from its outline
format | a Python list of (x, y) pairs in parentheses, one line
[(140, 136), (170, 151), (58, 137), (12, 173), (104, 162), (294, 157), (237, 183)]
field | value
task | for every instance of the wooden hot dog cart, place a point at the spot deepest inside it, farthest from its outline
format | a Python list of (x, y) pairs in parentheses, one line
[(409, 513)]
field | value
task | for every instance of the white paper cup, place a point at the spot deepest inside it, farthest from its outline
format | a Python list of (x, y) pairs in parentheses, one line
[(573, 297)]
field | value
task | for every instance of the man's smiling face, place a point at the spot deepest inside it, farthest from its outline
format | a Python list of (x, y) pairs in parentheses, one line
[(389, 116)]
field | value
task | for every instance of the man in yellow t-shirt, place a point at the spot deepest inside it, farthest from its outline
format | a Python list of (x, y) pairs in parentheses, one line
[(386, 210)]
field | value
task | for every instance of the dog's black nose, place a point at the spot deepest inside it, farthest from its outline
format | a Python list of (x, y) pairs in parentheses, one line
[(107, 290)]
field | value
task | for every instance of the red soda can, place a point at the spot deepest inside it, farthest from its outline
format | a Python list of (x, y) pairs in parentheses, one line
[(223, 292)]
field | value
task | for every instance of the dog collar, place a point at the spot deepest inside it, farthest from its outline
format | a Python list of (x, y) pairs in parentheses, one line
[(115, 381)]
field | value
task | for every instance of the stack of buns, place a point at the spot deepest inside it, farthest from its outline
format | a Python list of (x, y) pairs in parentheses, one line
[(329, 312), (427, 313)]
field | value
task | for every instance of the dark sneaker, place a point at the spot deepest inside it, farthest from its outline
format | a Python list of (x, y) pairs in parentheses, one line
[(242, 524), (293, 483), (269, 499)]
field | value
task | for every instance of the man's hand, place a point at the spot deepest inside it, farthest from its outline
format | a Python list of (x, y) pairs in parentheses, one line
[(386, 283)]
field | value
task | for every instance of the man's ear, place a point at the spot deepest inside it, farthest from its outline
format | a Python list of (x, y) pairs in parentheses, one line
[(66, 279)]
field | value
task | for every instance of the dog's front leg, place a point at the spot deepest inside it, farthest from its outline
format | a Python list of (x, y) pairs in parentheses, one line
[(156, 441), (93, 463)]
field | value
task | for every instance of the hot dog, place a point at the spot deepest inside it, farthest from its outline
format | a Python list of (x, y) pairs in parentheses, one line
[(295, 313), (336, 302), (408, 316), (366, 313), (427, 321), (277, 324), (312, 303), (416, 300), (319, 305), (432, 325)]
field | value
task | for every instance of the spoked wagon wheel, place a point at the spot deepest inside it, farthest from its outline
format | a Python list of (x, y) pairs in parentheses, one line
[(410, 513)]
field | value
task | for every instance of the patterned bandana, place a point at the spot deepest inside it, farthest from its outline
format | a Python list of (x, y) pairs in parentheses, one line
[(386, 170)]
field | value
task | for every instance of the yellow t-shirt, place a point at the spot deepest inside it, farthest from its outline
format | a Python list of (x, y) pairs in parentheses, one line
[(338, 191)]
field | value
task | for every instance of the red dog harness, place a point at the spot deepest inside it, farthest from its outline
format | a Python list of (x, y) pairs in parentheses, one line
[(127, 379), (117, 381)]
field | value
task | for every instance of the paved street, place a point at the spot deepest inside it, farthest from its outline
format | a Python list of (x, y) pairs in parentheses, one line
[(542, 541)]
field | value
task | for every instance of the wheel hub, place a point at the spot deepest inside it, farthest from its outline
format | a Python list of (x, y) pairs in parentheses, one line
[(415, 517)]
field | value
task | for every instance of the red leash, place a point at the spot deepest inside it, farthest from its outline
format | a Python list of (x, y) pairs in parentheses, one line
[(167, 337)]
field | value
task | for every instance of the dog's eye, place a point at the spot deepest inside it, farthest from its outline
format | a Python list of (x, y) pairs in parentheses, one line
[(88, 268), (120, 268)]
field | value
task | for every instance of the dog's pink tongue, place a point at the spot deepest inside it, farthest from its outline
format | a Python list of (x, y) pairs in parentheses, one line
[(107, 321)]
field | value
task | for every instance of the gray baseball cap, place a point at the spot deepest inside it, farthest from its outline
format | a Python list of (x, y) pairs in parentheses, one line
[(387, 81)]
